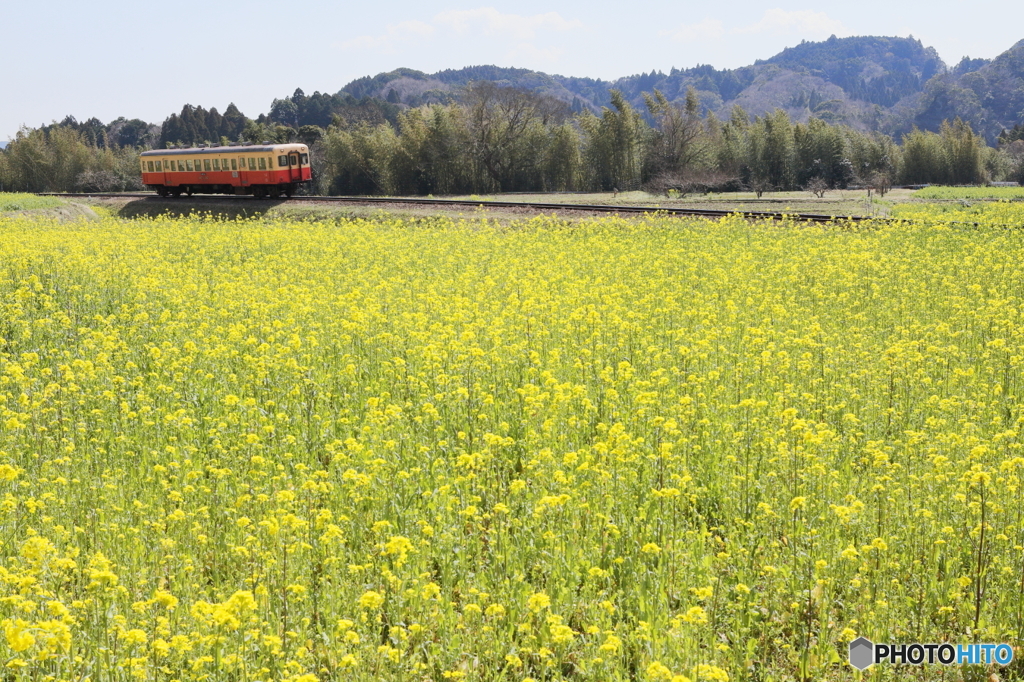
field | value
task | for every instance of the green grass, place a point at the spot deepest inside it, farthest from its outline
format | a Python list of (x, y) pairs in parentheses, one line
[(21, 201), (970, 193)]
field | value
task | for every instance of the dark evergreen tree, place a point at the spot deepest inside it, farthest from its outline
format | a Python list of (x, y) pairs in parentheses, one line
[(232, 123)]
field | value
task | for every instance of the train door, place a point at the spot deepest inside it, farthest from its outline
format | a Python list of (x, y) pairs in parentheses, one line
[(294, 168)]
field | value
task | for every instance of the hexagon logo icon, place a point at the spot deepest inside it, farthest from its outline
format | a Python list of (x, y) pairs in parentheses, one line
[(862, 653)]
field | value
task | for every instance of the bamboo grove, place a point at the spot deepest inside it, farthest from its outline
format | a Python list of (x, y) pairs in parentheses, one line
[(506, 140)]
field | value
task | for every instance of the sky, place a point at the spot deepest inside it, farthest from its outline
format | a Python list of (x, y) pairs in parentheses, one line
[(110, 58)]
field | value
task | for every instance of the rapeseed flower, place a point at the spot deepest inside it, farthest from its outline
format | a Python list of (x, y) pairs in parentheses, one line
[(285, 447)]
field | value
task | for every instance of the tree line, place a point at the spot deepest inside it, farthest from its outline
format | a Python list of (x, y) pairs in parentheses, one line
[(61, 158), (507, 140), (504, 139)]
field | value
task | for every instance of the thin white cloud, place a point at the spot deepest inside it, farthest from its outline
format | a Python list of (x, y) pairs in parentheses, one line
[(486, 21), (803, 23), (393, 34), (709, 29), (490, 21)]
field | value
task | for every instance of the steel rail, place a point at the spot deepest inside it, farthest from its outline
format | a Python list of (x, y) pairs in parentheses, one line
[(470, 203)]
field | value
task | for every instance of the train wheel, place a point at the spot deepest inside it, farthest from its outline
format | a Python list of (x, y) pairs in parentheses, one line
[(188, 191), (162, 191), (288, 189), (176, 192), (275, 193)]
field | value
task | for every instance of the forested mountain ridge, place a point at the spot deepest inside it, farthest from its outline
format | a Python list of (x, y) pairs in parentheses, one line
[(888, 84), (873, 69), (990, 96)]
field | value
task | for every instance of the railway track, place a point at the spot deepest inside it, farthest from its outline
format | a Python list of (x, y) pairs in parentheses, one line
[(467, 203)]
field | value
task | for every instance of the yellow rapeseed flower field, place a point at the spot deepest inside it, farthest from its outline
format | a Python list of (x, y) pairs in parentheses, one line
[(653, 449)]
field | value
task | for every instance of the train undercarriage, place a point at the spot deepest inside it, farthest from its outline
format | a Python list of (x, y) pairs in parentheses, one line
[(257, 191)]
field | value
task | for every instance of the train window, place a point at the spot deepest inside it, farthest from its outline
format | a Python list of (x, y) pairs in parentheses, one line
[(294, 159), (234, 165), (252, 163), (206, 165), (150, 164), (174, 165), (159, 167), (216, 164), (188, 164), (199, 164), (282, 160), (305, 159), (263, 163)]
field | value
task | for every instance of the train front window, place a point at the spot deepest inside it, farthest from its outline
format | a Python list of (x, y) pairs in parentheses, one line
[(305, 159)]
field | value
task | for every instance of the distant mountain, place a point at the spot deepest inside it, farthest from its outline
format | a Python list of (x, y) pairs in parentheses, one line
[(872, 69), (414, 88), (989, 94), (869, 82)]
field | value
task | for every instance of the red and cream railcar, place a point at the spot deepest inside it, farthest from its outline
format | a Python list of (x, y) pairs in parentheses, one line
[(261, 170)]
